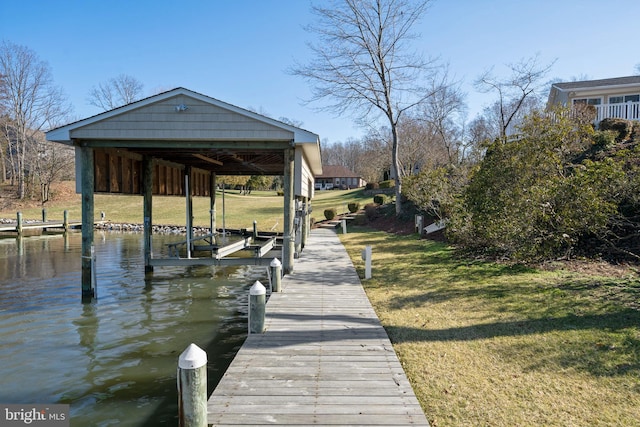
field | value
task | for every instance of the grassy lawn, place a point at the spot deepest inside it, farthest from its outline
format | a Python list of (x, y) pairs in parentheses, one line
[(492, 344), (240, 210)]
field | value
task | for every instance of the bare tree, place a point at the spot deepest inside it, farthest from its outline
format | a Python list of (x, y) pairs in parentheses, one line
[(516, 91), (30, 100), (51, 162), (446, 112), (364, 65), (115, 92)]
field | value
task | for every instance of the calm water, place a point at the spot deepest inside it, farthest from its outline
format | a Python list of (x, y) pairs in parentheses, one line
[(114, 361)]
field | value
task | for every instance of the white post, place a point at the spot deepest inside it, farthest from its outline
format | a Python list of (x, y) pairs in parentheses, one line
[(192, 387), (257, 303), (276, 275), (344, 226), (366, 256)]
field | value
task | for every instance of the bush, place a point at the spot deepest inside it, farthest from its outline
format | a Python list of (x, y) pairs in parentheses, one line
[(330, 213), (622, 127), (372, 186), (379, 199), (371, 211), (388, 184), (353, 207), (280, 193), (605, 139)]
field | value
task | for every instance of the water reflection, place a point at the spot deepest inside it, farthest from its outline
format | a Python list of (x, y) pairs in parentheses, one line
[(113, 360)]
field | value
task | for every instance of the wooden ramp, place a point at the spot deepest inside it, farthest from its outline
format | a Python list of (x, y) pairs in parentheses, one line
[(324, 358)]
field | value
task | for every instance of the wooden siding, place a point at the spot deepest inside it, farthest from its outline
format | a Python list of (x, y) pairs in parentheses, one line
[(303, 176), (200, 121), (120, 172)]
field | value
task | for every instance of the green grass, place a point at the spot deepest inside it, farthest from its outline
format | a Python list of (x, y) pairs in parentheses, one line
[(265, 207), (502, 345)]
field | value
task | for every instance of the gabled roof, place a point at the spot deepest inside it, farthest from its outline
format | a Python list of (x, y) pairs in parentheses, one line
[(592, 84), (337, 171), (560, 91), (179, 119)]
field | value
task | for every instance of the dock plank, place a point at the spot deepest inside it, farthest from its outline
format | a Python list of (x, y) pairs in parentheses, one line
[(324, 359)]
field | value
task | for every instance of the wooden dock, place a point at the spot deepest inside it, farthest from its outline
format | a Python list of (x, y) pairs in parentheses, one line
[(39, 225), (324, 358)]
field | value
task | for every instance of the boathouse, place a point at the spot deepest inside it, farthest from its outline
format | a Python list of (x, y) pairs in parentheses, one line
[(176, 143)]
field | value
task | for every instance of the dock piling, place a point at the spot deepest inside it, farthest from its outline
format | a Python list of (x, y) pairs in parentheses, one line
[(276, 275), (19, 223), (192, 387), (257, 305)]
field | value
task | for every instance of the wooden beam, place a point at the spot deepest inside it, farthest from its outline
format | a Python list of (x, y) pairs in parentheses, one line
[(186, 145), (208, 159)]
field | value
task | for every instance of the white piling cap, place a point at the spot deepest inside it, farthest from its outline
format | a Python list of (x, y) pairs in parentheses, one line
[(192, 358), (275, 263), (257, 289)]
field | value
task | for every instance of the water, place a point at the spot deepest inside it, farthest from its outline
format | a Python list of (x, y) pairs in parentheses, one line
[(114, 361)]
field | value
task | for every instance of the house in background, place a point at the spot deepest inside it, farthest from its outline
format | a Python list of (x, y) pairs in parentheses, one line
[(338, 177), (617, 97)]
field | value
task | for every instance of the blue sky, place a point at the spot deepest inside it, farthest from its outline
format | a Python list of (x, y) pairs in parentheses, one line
[(238, 51)]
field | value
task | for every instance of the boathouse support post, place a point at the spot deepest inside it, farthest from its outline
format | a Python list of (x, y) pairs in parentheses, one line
[(305, 222), (192, 387), (212, 202), (147, 207), (65, 220), (188, 209), (289, 211), (276, 275), (257, 306), (87, 183)]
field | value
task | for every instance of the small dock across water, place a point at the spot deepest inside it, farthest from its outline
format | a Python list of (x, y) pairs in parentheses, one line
[(324, 359)]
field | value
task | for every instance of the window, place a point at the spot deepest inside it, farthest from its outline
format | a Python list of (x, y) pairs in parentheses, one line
[(588, 101), (624, 99)]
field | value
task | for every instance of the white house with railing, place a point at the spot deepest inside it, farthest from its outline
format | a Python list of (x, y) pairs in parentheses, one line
[(618, 97)]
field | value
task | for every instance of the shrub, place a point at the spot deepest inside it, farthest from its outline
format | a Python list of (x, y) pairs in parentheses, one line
[(379, 199), (388, 184), (622, 127), (372, 186), (605, 139), (353, 207), (330, 213), (371, 211), (280, 193)]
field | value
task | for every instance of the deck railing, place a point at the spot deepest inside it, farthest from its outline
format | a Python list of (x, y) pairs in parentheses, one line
[(628, 110)]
